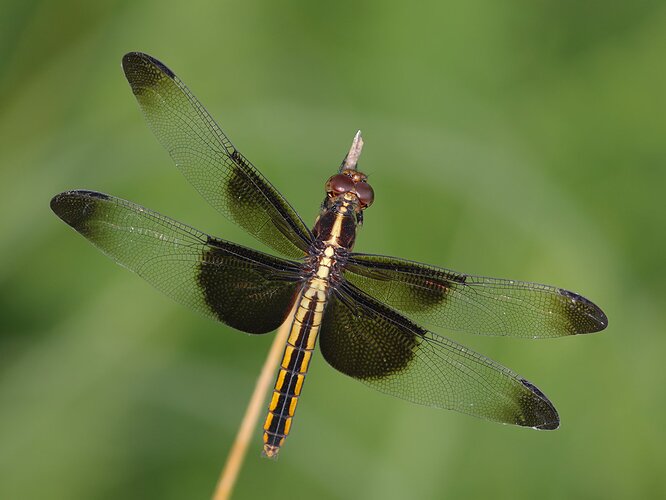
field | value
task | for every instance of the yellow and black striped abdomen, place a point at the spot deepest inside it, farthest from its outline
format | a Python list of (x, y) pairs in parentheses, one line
[(295, 361)]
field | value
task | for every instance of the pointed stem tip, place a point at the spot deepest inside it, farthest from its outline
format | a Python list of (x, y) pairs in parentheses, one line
[(351, 160)]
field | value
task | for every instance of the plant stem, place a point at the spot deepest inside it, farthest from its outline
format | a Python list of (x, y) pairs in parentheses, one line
[(236, 456)]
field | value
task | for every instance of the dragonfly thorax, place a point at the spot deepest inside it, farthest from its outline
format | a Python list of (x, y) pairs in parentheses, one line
[(336, 226)]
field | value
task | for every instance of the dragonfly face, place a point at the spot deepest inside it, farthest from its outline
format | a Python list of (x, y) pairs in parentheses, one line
[(353, 186), (362, 308)]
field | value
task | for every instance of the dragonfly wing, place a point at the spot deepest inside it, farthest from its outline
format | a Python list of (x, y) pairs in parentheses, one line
[(248, 290), (476, 304), (372, 343), (204, 154)]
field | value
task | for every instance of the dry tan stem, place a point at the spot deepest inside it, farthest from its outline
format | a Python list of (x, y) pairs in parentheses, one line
[(236, 456), (351, 160)]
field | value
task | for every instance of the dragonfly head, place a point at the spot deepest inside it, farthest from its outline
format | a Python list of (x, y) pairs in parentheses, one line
[(352, 186)]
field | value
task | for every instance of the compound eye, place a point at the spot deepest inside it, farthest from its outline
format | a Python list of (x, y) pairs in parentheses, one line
[(339, 184), (365, 194)]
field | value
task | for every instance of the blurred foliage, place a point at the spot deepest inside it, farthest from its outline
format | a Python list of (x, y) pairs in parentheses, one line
[(517, 139)]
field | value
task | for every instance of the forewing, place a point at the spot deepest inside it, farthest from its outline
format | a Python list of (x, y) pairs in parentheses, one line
[(248, 290), (209, 161), (374, 344), (475, 304)]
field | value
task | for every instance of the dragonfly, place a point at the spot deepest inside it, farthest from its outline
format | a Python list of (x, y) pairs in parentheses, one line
[(365, 310)]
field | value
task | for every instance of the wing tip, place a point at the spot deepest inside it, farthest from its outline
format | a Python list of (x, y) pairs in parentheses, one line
[(78, 193), (64, 206), (536, 409), (595, 320), (131, 59)]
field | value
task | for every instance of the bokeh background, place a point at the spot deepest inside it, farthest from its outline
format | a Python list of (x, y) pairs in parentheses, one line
[(516, 139)]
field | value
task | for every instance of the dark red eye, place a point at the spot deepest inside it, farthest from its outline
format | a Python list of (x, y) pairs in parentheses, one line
[(339, 184), (365, 193)]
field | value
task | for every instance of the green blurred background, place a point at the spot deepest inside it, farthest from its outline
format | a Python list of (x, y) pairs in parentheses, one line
[(516, 139)]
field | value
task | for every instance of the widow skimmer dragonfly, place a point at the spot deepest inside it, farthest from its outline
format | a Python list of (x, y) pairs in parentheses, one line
[(362, 307)]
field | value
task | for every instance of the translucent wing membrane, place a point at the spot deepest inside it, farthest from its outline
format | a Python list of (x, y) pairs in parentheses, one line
[(376, 345), (248, 290), (474, 303), (209, 161)]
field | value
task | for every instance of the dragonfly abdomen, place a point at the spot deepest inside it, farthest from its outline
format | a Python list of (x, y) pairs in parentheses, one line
[(295, 362)]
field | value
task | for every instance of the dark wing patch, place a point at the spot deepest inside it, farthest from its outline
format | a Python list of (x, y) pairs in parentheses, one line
[(374, 344), (246, 289), (476, 304), (249, 297), (362, 345), (161, 66), (583, 314), (226, 179)]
